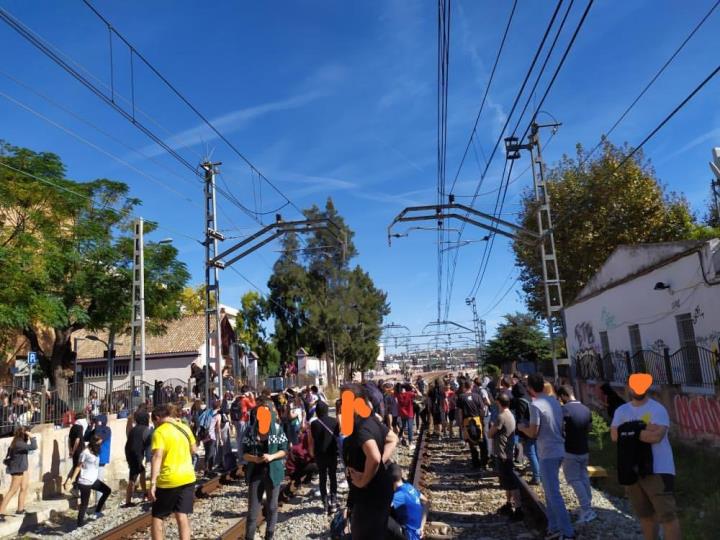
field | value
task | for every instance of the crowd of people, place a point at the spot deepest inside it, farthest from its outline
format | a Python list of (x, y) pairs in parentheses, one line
[(507, 423)]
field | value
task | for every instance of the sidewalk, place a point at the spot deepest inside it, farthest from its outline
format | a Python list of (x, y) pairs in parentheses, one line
[(37, 512)]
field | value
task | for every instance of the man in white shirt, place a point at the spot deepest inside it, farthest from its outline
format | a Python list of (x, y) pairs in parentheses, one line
[(652, 496)]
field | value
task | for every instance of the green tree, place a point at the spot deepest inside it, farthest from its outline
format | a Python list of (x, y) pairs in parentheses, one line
[(66, 259), (250, 327), (319, 303), (521, 338), (365, 306), (327, 278), (192, 299), (286, 303), (249, 321), (595, 209)]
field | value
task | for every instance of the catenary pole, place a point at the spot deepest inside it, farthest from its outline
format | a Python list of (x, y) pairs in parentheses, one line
[(212, 280)]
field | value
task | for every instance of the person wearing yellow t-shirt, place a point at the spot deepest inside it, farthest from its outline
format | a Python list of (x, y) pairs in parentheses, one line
[(173, 475)]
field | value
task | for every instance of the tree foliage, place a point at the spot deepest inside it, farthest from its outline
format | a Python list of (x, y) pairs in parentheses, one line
[(66, 257), (519, 338), (597, 207), (320, 303)]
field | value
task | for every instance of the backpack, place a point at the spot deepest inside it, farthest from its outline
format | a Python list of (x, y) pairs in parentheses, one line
[(204, 424), (523, 410), (474, 431), (236, 411)]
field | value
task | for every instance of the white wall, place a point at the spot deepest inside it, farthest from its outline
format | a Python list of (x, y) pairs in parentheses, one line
[(636, 302)]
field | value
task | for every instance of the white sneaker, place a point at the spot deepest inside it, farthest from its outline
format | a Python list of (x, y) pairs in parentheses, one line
[(587, 517), (316, 493)]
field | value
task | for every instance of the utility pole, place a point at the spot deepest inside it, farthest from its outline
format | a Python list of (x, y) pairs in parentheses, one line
[(548, 254), (479, 325), (212, 279), (138, 309)]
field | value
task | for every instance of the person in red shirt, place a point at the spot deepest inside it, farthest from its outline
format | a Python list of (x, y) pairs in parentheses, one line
[(406, 399)]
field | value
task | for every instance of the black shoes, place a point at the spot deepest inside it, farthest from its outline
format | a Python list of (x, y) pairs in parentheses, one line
[(505, 510), (517, 515)]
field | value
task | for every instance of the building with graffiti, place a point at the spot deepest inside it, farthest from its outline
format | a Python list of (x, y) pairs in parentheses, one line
[(654, 308)]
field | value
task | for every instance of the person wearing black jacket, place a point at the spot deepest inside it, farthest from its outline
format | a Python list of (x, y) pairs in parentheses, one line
[(136, 446), (636, 425), (366, 452), (17, 466), (323, 448)]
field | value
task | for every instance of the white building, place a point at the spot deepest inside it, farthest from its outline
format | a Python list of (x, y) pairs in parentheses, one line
[(652, 306), (311, 367)]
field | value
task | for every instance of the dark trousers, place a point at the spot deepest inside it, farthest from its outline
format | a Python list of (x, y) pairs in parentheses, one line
[(328, 468), (85, 498), (303, 474), (210, 453), (369, 521), (394, 530), (259, 486)]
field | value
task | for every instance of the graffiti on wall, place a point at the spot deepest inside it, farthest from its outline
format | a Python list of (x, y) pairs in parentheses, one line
[(697, 416), (698, 314), (608, 319), (585, 336), (658, 346)]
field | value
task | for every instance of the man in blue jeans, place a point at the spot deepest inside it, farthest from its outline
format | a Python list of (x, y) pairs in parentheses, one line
[(546, 425), (577, 419)]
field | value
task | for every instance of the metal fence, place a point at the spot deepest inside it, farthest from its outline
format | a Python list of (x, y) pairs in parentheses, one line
[(61, 406), (689, 366)]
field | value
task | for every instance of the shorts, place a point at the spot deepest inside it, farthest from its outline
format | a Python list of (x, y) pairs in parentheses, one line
[(504, 468), (438, 416), (653, 496), (135, 465), (173, 500)]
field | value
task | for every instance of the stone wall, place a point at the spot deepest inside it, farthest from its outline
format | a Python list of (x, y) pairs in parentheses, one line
[(51, 463)]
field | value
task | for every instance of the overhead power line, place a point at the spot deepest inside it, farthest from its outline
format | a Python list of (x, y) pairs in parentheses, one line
[(187, 102), (485, 95), (83, 196), (520, 92), (665, 120), (652, 81), (558, 68)]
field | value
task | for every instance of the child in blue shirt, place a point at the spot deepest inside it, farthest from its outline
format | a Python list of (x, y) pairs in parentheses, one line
[(408, 513)]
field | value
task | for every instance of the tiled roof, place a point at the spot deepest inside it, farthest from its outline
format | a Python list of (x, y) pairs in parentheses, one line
[(184, 335)]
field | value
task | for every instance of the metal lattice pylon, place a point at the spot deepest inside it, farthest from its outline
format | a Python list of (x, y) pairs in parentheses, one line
[(548, 255)]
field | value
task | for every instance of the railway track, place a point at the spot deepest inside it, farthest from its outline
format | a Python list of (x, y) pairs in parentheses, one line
[(138, 527), (464, 501)]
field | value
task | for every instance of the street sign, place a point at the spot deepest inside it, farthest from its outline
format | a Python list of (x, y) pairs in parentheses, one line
[(32, 358)]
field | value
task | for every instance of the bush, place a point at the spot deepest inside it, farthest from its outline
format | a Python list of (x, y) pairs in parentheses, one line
[(492, 371), (598, 429)]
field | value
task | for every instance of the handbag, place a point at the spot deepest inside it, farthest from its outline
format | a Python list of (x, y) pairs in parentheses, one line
[(338, 527), (8, 457)]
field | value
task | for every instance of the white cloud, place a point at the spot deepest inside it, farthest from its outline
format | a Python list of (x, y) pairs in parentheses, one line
[(713, 134), (231, 122), (318, 184)]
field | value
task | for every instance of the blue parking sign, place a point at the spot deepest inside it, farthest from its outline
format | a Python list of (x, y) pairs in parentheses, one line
[(32, 358)]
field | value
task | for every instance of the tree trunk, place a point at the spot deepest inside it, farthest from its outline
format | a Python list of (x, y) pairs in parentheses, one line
[(60, 360)]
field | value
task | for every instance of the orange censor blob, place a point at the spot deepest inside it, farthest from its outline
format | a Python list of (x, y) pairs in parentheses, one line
[(640, 382), (264, 417), (349, 406)]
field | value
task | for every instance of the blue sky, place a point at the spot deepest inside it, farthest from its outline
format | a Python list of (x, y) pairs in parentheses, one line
[(339, 99)]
